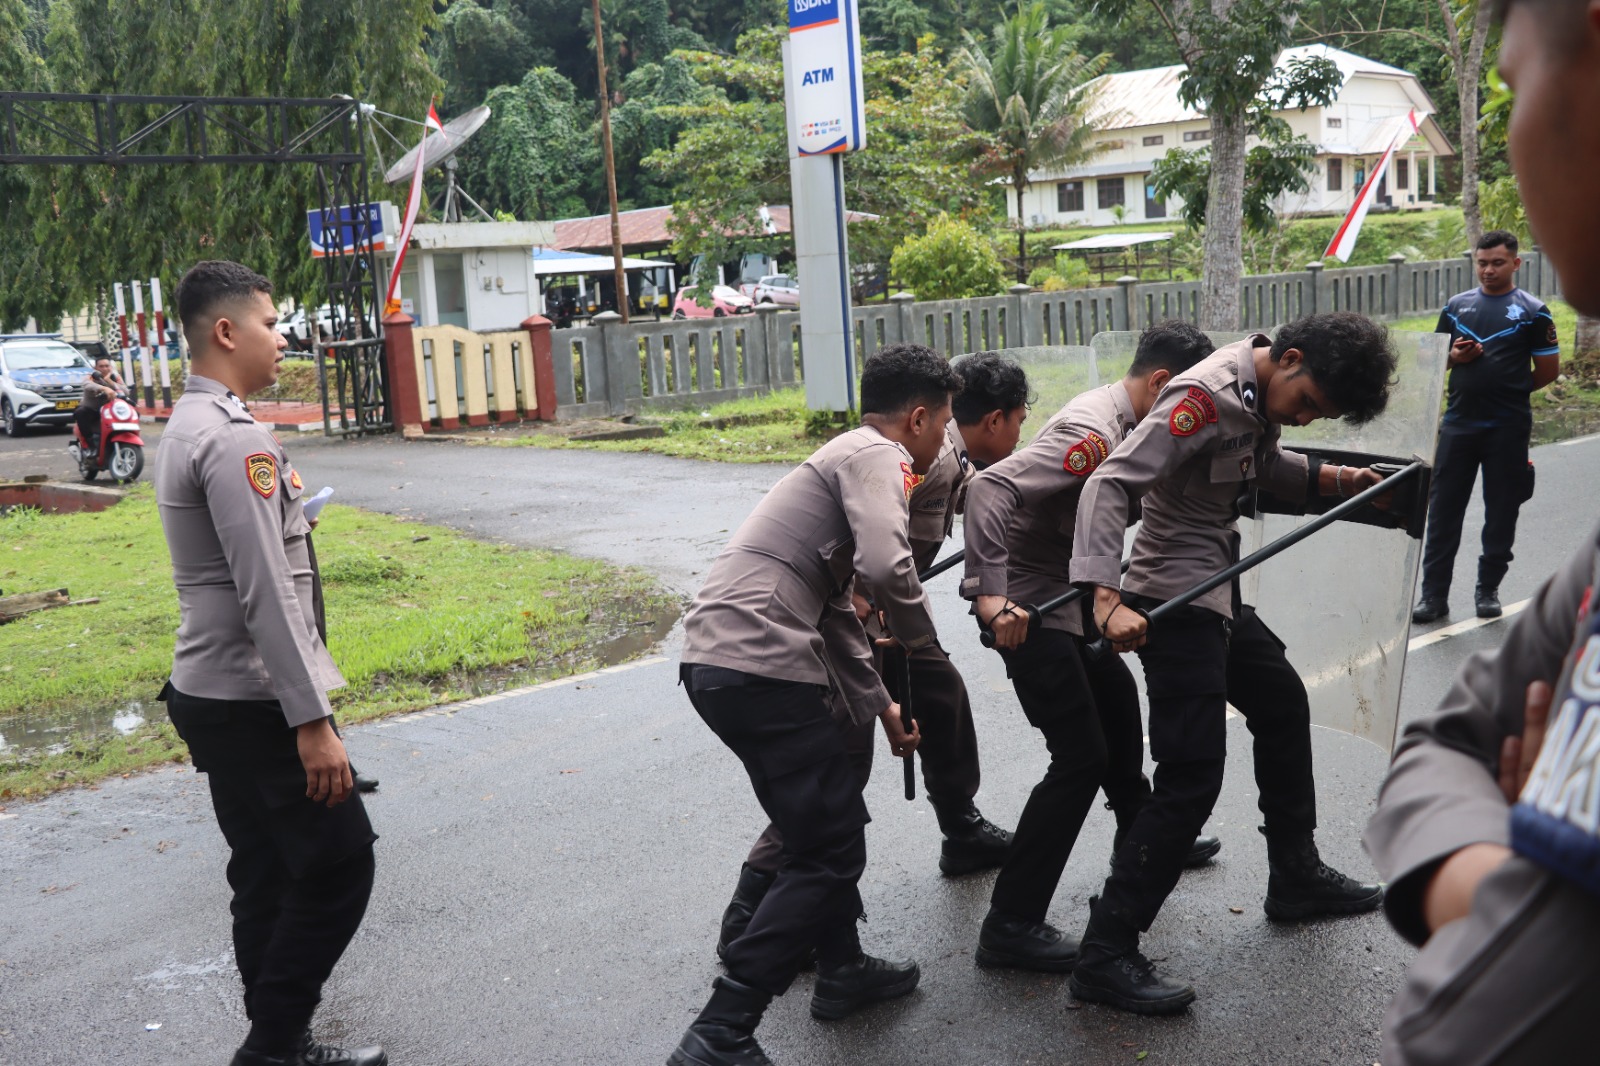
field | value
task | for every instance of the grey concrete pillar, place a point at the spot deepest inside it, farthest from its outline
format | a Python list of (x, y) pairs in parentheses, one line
[(905, 317), (1017, 315), (614, 387), (1314, 301), (1397, 305), (1125, 308), (766, 335)]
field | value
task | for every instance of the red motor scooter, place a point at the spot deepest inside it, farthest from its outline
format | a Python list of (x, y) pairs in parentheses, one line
[(121, 449)]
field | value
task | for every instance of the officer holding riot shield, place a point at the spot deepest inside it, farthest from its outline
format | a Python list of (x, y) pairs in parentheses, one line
[(1213, 434)]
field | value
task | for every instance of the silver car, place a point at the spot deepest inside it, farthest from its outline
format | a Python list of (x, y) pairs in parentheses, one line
[(41, 381)]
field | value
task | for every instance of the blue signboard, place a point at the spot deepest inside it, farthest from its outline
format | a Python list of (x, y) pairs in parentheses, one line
[(825, 76), (340, 238)]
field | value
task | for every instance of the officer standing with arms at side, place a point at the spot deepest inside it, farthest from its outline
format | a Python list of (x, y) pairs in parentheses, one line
[(1211, 436), (986, 422), (1019, 523), (769, 628), (250, 675), (1502, 349), (1503, 898)]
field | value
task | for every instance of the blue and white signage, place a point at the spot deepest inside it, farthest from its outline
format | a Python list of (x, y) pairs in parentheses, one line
[(825, 76), (330, 237)]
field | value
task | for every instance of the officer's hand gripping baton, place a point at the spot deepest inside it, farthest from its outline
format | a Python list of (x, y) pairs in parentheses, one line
[(1102, 646), (986, 635)]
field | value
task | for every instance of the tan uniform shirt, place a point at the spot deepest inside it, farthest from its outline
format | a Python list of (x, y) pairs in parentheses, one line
[(1202, 446), (777, 601), (1441, 793), (939, 497), (230, 506), (1021, 511)]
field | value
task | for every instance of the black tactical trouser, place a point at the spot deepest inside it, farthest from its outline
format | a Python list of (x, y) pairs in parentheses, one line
[(301, 872), (1195, 663), (794, 752), (1090, 721), (949, 748), (1502, 453)]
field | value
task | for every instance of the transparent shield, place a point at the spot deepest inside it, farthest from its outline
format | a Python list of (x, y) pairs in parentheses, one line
[(1341, 600), (1056, 373)]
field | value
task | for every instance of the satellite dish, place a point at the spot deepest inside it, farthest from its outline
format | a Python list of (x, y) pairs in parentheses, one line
[(439, 147)]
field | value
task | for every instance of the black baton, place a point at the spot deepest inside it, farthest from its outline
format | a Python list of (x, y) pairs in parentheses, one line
[(986, 635), (943, 564), (1261, 555), (907, 722)]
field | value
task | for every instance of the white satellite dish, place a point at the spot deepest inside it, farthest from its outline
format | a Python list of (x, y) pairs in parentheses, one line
[(439, 150)]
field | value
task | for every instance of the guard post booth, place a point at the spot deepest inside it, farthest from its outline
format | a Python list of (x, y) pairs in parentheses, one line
[(476, 275)]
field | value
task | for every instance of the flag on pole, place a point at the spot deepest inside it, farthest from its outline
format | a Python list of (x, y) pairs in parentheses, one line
[(391, 304), (1344, 241)]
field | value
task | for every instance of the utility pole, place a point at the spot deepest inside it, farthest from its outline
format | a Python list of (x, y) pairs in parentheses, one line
[(611, 167)]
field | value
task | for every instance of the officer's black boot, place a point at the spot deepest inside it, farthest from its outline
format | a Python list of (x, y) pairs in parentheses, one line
[(971, 841), (1010, 942), (844, 987), (1301, 885), (246, 1057), (1487, 600), (724, 1034), (1111, 969), (315, 1054), (1429, 609), (1202, 851), (747, 896)]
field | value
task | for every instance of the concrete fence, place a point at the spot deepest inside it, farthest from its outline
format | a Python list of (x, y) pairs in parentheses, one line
[(608, 369)]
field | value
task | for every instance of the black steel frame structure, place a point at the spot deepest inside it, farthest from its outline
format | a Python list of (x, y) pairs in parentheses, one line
[(75, 129)]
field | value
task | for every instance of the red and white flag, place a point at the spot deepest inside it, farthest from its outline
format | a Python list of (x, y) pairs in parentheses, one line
[(413, 202), (1344, 241)]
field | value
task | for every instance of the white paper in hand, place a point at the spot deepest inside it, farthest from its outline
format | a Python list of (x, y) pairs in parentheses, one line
[(313, 504)]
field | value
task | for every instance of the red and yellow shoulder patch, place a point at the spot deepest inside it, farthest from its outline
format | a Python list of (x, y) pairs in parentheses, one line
[(294, 479), (911, 480), (1084, 456), (262, 471), (1195, 410)]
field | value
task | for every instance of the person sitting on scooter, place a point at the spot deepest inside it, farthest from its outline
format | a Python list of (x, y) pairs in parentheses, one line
[(99, 389)]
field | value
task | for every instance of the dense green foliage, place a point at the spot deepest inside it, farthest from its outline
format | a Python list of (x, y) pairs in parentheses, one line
[(949, 261)]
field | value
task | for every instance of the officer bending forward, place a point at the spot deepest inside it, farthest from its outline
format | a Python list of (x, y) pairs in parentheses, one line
[(773, 621), (250, 676)]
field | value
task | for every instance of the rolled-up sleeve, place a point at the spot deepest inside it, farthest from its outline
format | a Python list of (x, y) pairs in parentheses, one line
[(250, 527)]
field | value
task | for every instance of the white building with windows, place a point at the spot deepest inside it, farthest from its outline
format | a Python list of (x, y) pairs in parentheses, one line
[(1139, 118)]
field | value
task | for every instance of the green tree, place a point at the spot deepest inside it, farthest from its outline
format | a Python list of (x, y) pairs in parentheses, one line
[(535, 157), (952, 260), (476, 49), (1028, 104)]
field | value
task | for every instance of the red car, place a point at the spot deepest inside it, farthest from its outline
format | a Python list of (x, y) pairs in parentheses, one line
[(725, 301)]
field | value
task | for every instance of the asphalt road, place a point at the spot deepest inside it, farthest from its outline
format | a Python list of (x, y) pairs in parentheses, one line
[(553, 863)]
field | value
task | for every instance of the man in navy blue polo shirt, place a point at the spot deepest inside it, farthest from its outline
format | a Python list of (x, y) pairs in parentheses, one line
[(1503, 348)]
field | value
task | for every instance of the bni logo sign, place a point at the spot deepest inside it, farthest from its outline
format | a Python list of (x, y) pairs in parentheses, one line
[(809, 14)]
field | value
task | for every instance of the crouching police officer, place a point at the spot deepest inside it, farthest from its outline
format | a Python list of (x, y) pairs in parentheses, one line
[(250, 675), (772, 628)]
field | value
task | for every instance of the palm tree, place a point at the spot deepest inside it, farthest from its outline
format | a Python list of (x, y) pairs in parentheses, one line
[(1028, 103)]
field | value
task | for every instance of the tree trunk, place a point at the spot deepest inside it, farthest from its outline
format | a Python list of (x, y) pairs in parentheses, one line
[(1020, 179), (1223, 245), (1585, 362), (1468, 57)]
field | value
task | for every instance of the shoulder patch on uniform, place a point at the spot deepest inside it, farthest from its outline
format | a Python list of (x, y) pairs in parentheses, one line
[(1084, 456), (262, 470), (1196, 409), (911, 481), (1551, 337), (294, 478)]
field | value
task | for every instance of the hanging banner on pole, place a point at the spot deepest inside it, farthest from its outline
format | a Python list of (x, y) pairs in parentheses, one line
[(1344, 239), (824, 61)]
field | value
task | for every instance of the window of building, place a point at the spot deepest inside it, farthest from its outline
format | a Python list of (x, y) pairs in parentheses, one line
[(1152, 141), (1402, 173), (1197, 135), (1069, 196), (1335, 175), (1112, 192), (1154, 206), (1360, 175), (1335, 123)]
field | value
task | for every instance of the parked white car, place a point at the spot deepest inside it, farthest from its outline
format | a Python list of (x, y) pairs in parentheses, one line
[(780, 289), (41, 381)]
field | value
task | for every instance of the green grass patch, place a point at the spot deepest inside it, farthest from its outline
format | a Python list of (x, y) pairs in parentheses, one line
[(417, 615)]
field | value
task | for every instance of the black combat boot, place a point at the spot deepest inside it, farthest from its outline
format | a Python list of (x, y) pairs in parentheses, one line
[(315, 1054), (844, 987), (246, 1057), (724, 1034), (1429, 609), (1111, 969), (1301, 885), (747, 896), (971, 841), (1202, 851), (1487, 599), (1009, 942)]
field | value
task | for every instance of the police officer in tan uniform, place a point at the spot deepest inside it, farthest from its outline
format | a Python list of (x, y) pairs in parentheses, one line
[(1502, 896), (250, 675), (986, 422), (1019, 525), (771, 630), (1213, 435)]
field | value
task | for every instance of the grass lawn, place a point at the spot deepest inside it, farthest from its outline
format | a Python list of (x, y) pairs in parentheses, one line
[(417, 615)]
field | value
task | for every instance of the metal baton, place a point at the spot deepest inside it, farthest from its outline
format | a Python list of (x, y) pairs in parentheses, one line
[(943, 564), (986, 635), (907, 721), (1256, 558)]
